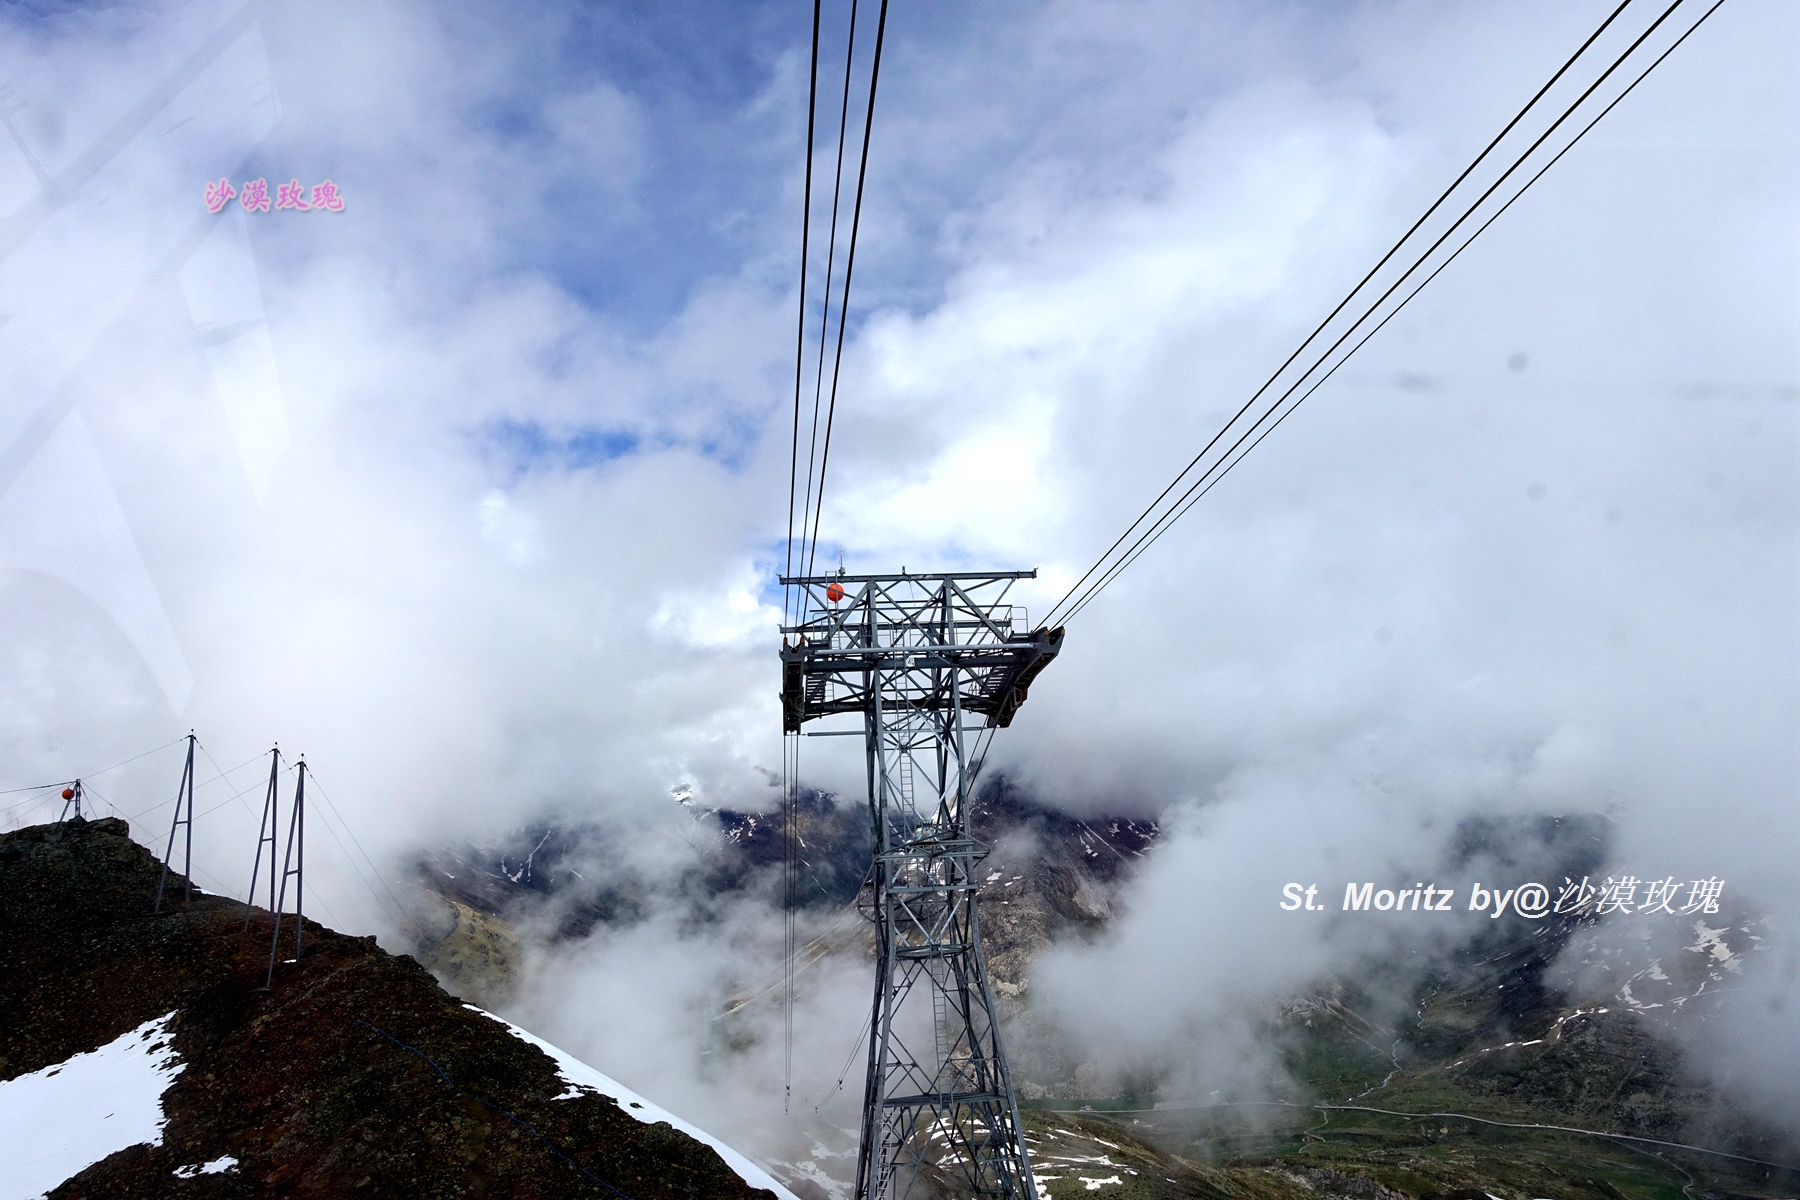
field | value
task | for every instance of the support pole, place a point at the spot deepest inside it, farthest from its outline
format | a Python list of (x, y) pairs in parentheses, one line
[(294, 867), (184, 792), (72, 799), (265, 833)]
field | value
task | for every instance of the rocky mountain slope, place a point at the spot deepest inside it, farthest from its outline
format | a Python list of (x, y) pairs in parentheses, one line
[(1489, 1071), (353, 1074), (1050, 876)]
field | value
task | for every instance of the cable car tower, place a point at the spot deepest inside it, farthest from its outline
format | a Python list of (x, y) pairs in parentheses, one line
[(930, 663)]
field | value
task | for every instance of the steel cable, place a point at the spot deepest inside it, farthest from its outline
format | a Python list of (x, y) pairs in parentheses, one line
[(1108, 566), (1196, 497), (849, 269), (837, 175), (812, 98)]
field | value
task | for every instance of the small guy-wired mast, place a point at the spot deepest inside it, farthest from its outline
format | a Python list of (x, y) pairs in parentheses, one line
[(928, 662)]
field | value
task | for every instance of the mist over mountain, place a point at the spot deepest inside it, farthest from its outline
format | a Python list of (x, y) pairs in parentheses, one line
[(1580, 1019)]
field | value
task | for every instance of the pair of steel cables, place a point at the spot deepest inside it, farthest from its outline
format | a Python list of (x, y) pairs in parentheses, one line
[(1434, 241), (806, 499)]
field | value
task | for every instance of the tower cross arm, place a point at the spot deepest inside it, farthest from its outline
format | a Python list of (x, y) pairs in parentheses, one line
[(992, 679), (905, 577)]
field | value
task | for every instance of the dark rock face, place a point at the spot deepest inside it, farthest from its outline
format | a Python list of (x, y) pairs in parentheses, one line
[(1050, 876), (835, 841), (577, 871), (307, 1084), (587, 881)]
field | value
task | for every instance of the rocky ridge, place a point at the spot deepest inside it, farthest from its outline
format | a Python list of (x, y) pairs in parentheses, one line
[(353, 1074)]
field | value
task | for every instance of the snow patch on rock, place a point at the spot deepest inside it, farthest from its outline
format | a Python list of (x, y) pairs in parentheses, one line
[(58, 1121), (582, 1078), (217, 1165)]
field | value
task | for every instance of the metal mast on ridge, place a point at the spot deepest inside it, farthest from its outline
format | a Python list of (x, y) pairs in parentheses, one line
[(927, 661), (183, 794)]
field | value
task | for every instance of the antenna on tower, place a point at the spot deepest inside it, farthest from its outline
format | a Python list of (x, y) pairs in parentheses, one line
[(291, 866), (265, 834), (71, 799), (185, 791)]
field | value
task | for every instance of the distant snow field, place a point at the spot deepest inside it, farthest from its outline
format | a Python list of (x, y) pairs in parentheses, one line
[(58, 1121), (581, 1078)]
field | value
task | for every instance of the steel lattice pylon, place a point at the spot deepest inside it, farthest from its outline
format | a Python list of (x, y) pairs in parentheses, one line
[(927, 661)]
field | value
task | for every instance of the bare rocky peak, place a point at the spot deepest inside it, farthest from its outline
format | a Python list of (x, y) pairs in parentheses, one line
[(353, 1074)]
